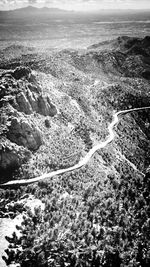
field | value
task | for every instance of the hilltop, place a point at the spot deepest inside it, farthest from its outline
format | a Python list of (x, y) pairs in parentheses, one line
[(54, 107)]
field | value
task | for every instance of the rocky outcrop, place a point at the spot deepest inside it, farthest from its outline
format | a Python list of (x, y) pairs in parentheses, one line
[(20, 96), (29, 102), (24, 133), (22, 104), (21, 90), (21, 72), (12, 155), (45, 106)]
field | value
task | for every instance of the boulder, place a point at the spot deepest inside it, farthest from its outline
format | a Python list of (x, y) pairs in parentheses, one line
[(32, 99), (45, 107), (21, 72), (23, 105), (12, 155), (24, 133)]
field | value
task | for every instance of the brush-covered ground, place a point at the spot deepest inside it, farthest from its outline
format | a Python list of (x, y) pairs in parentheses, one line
[(55, 106)]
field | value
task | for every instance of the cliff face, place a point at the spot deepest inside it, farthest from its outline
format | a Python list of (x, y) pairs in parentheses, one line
[(20, 98)]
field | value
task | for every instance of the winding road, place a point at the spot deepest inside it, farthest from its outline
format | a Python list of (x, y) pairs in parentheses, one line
[(83, 161)]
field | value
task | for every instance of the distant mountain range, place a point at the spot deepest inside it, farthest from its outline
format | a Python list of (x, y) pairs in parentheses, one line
[(32, 9), (39, 10), (31, 13)]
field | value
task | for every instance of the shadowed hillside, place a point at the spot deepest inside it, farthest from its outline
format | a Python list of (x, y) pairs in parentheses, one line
[(129, 56)]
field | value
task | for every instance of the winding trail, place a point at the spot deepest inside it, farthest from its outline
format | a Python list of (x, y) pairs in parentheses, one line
[(84, 160)]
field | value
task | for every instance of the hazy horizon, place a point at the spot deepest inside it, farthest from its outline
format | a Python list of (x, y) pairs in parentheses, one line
[(59, 30), (84, 11), (77, 5)]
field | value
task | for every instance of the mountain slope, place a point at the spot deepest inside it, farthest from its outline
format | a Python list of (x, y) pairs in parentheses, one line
[(91, 82), (62, 103)]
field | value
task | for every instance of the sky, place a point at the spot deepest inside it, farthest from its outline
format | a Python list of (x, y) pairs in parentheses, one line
[(84, 5)]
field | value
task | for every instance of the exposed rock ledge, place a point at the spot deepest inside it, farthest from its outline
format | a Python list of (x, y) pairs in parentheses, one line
[(12, 155), (20, 96), (24, 133), (24, 93)]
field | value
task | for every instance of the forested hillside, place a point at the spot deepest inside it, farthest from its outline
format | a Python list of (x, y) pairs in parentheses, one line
[(55, 106)]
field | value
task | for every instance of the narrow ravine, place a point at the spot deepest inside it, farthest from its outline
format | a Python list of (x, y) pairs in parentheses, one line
[(83, 161)]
